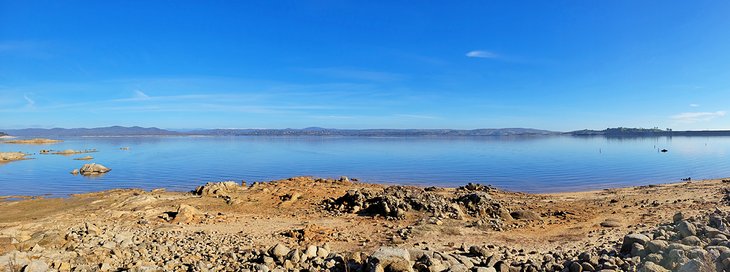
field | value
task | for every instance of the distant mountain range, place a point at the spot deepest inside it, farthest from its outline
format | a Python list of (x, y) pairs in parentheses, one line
[(317, 131), (102, 131), (311, 131), (647, 132)]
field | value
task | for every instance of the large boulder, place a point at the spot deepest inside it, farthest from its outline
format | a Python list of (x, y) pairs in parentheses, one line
[(93, 169), (186, 214), (391, 259), (630, 239), (686, 228), (218, 189)]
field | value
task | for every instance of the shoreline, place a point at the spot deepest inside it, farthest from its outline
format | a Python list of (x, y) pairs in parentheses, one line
[(556, 193), (344, 217)]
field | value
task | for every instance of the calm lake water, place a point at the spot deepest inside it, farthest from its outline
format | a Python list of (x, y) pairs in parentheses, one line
[(530, 164)]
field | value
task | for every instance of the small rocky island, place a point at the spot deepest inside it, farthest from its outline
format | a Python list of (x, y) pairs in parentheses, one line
[(35, 141), (12, 156)]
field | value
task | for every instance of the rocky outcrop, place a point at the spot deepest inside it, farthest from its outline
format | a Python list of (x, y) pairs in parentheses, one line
[(93, 169), (70, 152), (396, 201), (219, 189), (33, 141), (12, 156)]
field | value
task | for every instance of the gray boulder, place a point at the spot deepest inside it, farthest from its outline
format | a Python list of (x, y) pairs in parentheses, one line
[(93, 169), (630, 239), (391, 259)]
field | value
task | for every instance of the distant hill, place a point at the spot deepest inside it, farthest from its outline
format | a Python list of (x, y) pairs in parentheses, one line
[(102, 131), (647, 132), (315, 131), (3, 134)]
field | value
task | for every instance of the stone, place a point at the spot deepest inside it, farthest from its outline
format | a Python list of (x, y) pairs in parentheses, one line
[(458, 268), (91, 169), (686, 229), (311, 251), (652, 267), (479, 251), (638, 250), (610, 223), (36, 266), (656, 246), (92, 229), (678, 217), (392, 259), (186, 214), (525, 215), (575, 267), (219, 189), (75, 172), (630, 239), (694, 265), (675, 258), (691, 241), (279, 250)]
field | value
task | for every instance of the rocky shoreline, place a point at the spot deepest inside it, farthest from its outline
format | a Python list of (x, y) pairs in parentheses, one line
[(309, 224)]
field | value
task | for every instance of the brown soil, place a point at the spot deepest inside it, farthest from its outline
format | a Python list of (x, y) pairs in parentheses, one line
[(268, 214)]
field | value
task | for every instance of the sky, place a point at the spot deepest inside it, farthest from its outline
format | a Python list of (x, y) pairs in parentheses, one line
[(557, 65)]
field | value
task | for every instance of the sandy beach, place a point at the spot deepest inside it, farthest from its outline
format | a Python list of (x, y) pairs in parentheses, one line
[(343, 225)]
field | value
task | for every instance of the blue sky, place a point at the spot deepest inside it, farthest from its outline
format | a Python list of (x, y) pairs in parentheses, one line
[(559, 65)]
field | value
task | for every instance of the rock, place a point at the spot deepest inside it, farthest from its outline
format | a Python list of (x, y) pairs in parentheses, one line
[(311, 251), (92, 229), (93, 169), (652, 267), (686, 229), (322, 252), (456, 268), (186, 214), (678, 217), (219, 189), (691, 241), (279, 251), (575, 267), (675, 258), (11, 156), (479, 251), (85, 158), (630, 239), (656, 246), (694, 266), (391, 259), (637, 250), (36, 266), (75, 172), (610, 223), (525, 215)]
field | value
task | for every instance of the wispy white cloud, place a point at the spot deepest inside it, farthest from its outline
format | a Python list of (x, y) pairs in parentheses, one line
[(481, 54), (694, 105), (694, 117), (30, 102), (139, 95)]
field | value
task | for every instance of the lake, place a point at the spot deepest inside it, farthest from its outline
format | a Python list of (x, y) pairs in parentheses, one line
[(528, 164)]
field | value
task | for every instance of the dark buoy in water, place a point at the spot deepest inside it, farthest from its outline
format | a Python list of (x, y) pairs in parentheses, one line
[(663, 150)]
